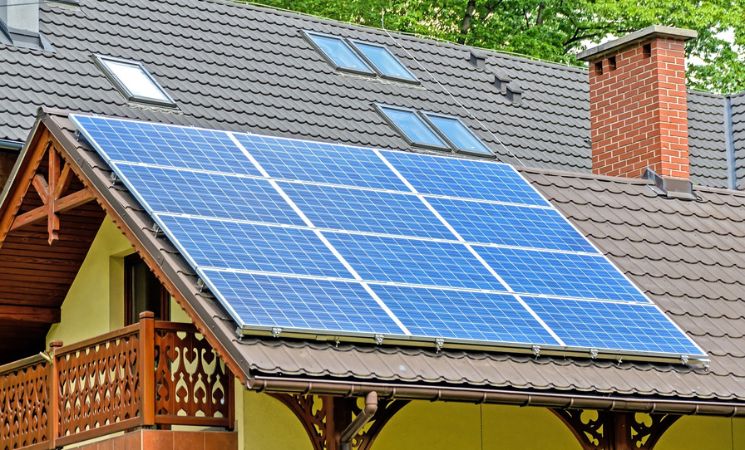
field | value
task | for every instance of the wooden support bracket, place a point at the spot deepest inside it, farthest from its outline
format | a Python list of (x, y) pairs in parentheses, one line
[(50, 190), (609, 430), (325, 417)]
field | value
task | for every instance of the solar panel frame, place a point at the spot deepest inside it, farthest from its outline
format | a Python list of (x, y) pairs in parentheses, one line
[(645, 355)]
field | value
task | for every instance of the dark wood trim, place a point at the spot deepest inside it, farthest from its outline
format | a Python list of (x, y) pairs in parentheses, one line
[(130, 315), (610, 430)]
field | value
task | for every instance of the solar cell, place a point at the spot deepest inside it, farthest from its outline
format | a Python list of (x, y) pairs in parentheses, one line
[(615, 326), (366, 211), (244, 246), (165, 145), (305, 304), (413, 261), (560, 274), (440, 175), (510, 225), (207, 194), (321, 163), (464, 315), (216, 207)]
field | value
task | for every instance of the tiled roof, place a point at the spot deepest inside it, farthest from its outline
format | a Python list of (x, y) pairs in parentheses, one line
[(686, 255), (242, 67), (738, 135)]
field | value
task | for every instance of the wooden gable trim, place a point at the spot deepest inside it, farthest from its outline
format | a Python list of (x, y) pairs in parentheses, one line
[(60, 139)]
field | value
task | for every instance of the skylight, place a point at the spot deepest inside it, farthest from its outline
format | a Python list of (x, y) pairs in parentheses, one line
[(384, 62), (412, 127), (338, 53), (134, 81), (458, 135)]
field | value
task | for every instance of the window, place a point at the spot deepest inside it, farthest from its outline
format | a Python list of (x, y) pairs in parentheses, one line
[(338, 53), (143, 292), (458, 135), (384, 62), (134, 81), (412, 127)]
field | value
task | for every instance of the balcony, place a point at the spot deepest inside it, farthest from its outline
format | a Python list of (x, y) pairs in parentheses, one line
[(147, 376)]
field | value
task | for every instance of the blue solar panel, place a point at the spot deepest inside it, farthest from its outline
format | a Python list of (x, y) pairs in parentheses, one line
[(272, 301), (615, 326), (321, 163), (463, 315), (242, 246), (209, 198), (510, 225), (368, 211), (166, 145), (413, 261), (560, 274), (466, 178), (220, 196)]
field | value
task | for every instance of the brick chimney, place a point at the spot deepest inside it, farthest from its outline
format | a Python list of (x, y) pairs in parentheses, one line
[(638, 104)]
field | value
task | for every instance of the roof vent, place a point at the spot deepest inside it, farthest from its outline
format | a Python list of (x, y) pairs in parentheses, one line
[(501, 80), (19, 24), (477, 59), (680, 188), (514, 93)]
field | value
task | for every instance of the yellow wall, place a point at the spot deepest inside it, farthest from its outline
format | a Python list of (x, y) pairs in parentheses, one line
[(710, 433)]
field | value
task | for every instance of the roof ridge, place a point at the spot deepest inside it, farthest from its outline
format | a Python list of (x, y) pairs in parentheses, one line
[(255, 5)]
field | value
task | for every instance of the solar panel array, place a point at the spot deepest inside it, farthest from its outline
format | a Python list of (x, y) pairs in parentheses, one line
[(329, 239)]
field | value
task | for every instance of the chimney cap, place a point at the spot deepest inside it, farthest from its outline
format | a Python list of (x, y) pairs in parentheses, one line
[(654, 31)]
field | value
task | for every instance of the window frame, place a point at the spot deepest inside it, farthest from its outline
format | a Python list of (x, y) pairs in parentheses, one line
[(165, 297), (367, 60), (380, 108), (124, 90), (426, 117), (308, 36)]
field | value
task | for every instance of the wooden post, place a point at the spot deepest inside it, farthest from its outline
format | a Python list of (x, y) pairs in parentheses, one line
[(53, 413), (147, 367)]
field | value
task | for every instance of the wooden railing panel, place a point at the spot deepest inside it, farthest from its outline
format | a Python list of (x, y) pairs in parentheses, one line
[(151, 373), (98, 385), (191, 383), (24, 406)]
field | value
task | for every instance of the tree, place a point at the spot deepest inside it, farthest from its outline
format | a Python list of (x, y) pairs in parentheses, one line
[(557, 30)]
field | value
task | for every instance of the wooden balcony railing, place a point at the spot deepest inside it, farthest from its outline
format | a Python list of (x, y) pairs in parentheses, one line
[(145, 375)]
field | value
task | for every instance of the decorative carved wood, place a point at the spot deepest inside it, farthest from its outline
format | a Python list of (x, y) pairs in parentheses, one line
[(108, 384), (325, 417), (608, 430), (190, 379), (51, 187), (24, 405)]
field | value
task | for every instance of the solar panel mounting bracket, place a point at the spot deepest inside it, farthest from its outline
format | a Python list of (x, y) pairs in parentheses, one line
[(439, 343), (379, 339), (536, 350), (276, 331)]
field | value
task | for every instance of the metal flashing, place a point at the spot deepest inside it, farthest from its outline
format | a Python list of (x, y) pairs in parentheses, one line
[(729, 143), (670, 187)]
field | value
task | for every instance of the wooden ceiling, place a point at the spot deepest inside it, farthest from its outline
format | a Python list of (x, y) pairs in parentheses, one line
[(39, 257)]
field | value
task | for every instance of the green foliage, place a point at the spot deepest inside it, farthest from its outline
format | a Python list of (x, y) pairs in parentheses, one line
[(556, 30)]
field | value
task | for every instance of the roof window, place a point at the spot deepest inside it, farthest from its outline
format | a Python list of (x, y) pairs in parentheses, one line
[(458, 135), (412, 127), (438, 131), (134, 81), (339, 53), (384, 62)]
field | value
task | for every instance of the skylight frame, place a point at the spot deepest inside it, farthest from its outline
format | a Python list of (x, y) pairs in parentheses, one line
[(413, 80), (380, 107), (426, 117), (122, 87), (309, 37)]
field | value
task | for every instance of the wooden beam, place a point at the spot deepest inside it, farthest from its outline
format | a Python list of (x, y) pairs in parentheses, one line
[(64, 181), (68, 202), (52, 218), (29, 314), (41, 187)]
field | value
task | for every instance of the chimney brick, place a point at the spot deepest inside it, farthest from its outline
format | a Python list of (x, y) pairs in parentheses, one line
[(638, 104)]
